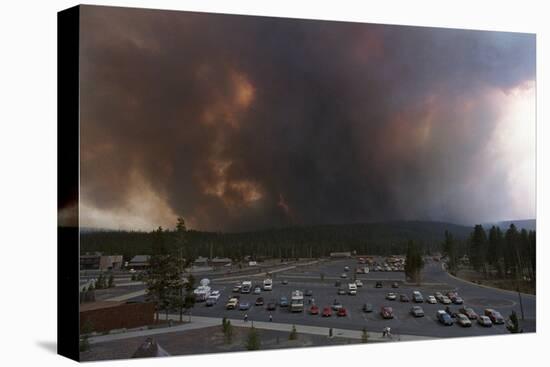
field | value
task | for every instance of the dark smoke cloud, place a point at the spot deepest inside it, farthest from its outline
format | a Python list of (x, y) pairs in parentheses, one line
[(241, 123)]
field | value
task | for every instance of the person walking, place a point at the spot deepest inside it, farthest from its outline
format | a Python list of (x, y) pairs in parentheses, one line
[(245, 317), (270, 318)]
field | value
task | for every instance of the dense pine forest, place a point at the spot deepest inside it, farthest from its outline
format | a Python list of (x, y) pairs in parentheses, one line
[(312, 241)]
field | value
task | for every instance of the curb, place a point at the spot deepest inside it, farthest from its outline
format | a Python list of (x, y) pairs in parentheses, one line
[(487, 286)]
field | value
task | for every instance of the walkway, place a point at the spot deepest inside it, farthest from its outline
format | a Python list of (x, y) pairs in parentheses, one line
[(198, 322)]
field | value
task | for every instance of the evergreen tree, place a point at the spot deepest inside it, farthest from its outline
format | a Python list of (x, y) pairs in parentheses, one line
[(111, 282), (228, 332), (511, 254), (478, 248), (253, 340), (181, 240), (85, 332), (449, 250), (413, 262), (494, 250), (163, 279), (293, 333), (513, 325), (364, 336)]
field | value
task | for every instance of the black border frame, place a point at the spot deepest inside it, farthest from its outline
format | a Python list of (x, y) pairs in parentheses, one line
[(68, 142)]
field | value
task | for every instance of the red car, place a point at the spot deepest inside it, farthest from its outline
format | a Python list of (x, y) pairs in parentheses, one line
[(314, 310), (327, 312), (342, 312), (386, 312)]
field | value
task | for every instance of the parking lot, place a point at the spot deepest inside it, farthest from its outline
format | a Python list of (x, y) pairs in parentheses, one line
[(325, 292)]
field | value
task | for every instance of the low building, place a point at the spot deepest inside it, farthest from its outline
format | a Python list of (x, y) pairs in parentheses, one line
[(200, 261), (340, 254), (97, 261), (111, 315), (139, 262), (220, 261)]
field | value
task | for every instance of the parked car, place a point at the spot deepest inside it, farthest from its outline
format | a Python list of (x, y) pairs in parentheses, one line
[(211, 301), (438, 296), (386, 312), (395, 285), (346, 268), (336, 305), (484, 321), (342, 312), (457, 300), (232, 304), (272, 305), (378, 285), (403, 298), (431, 300), (337, 283), (283, 302), (367, 307), (327, 312), (359, 283), (257, 290), (445, 300), (391, 296), (463, 320), (469, 312), (341, 291), (450, 312), (237, 288), (284, 282), (417, 311), (343, 275), (417, 297), (308, 293), (451, 294), (259, 301), (495, 316), (244, 305), (444, 318), (314, 310)]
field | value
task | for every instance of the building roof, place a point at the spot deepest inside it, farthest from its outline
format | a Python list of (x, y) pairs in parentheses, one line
[(140, 259), (99, 305), (221, 260)]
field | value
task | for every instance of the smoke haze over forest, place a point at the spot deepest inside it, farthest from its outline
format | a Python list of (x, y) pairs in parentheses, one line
[(242, 123)]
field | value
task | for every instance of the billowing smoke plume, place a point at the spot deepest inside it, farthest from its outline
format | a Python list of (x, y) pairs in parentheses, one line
[(241, 123)]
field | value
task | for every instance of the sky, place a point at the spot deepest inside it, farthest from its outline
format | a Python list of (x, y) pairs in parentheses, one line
[(241, 123)]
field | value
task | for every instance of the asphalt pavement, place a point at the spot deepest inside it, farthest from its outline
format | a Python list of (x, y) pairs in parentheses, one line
[(325, 292)]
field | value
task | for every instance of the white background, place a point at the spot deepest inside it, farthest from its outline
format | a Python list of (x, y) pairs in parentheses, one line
[(28, 206)]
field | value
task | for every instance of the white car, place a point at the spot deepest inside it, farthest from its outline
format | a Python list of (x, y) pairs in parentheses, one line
[(431, 299), (391, 296), (446, 300), (358, 283)]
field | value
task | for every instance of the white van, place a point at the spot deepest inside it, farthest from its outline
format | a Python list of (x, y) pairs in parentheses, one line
[(352, 289), (268, 284)]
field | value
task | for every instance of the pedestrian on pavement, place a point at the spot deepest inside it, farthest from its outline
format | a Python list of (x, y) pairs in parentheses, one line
[(270, 318), (245, 317)]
